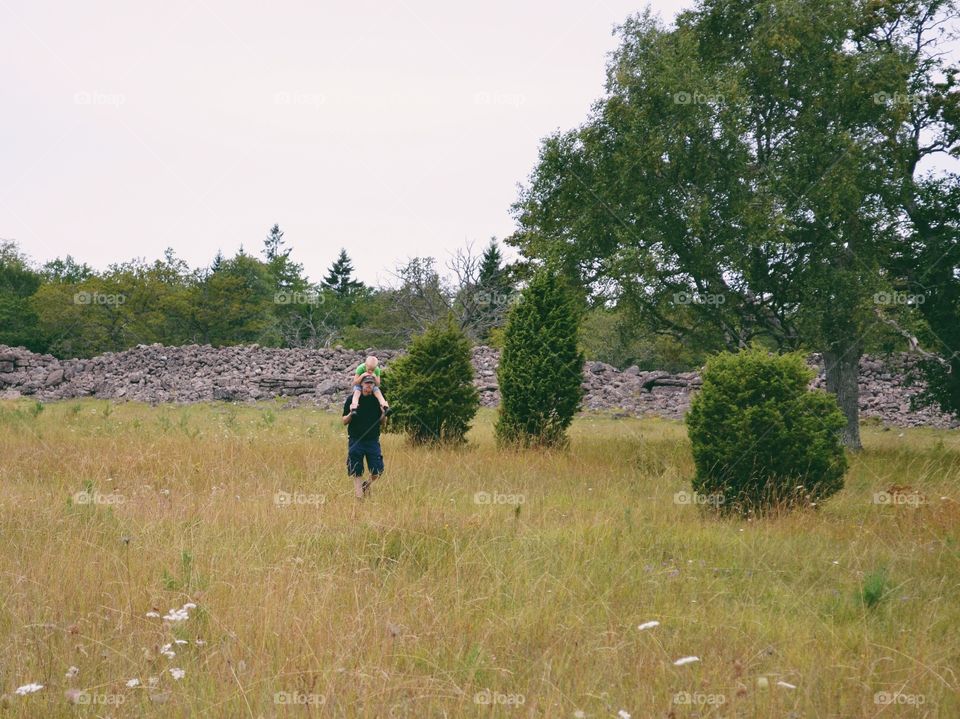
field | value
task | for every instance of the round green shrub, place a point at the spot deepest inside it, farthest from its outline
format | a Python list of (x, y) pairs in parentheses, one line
[(761, 438), (432, 396)]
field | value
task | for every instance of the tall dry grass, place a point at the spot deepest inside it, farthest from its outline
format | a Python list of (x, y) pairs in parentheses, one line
[(473, 582)]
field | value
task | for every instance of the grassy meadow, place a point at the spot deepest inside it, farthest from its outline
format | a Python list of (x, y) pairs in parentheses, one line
[(225, 542)]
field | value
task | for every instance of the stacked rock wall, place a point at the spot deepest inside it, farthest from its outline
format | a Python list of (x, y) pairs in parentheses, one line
[(198, 373)]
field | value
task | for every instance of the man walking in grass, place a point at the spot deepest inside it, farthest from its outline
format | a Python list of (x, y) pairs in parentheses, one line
[(363, 436)]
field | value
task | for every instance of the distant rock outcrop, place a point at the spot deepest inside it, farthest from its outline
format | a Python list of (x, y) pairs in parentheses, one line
[(199, 373)]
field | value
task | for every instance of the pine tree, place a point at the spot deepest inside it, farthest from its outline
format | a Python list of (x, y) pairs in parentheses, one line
[(339, 277), (431, 387), (286, 274), (273, 244), (217, 263), (541, 367), (490, 264), (494, 291)]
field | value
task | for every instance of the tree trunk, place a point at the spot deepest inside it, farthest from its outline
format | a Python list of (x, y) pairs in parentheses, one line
[(842, 370)]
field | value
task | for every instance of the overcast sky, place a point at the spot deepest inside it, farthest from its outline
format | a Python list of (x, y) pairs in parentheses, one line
[(393, 129)]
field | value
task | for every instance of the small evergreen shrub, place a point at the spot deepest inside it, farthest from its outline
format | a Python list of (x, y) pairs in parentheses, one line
[(541, 367), (761, 438), (432, 396)]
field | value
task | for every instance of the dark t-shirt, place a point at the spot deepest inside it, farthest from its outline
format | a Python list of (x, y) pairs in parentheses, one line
[(366, 422)]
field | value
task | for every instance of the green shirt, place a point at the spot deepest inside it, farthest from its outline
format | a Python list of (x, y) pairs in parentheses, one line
[(363, 368)]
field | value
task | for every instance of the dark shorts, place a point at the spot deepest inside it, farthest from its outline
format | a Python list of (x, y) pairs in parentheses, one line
[(360, 448)]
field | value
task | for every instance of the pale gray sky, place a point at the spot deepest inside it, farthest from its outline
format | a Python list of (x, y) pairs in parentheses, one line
[(393, 129)]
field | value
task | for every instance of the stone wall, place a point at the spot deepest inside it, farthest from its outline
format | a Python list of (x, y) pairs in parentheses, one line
[(197, 373)]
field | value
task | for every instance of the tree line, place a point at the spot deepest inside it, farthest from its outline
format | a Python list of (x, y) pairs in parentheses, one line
[(66, 308)]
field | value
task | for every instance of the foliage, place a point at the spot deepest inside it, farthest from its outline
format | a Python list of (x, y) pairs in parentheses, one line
[(18, 282), (928, 269), (339, 277), (541, 366), (431, 387), (760, 437), (706, 189), (620, 337)]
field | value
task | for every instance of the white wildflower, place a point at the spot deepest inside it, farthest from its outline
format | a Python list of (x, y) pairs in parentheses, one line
[(176, 615), (177, 673), (72, 672), (153, 615), (623, 714), (28, 689), (133, 682)]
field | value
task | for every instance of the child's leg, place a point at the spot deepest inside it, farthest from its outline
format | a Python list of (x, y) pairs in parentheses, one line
[(379, 395), (355, 402)]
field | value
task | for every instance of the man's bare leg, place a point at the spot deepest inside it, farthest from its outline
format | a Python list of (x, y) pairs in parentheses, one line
[(358, 488), (366, 485)]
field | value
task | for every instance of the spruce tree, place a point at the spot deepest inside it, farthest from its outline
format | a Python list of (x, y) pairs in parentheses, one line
[(273, 244), (491, 271), (541, 366), (339, 277), (494, 291), (286, 274)]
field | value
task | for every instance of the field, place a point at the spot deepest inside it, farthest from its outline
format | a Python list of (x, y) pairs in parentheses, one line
[(473, 582)]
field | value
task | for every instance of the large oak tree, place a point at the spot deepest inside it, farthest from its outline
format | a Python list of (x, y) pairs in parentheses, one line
[(734, 183)]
